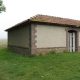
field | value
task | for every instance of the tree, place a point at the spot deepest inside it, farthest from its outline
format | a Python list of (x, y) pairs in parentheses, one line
[(2, 7)]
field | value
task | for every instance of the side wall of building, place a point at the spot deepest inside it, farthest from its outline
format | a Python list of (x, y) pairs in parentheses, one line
[(41, 38), (50, 38), (79, 38), (18, 39), (79, 41)]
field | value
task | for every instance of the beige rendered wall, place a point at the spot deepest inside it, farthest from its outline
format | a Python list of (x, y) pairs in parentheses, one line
[(79, 38), (50, 36), (19, 37)]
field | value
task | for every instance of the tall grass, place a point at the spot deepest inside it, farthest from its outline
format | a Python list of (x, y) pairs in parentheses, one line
[(3, 43)]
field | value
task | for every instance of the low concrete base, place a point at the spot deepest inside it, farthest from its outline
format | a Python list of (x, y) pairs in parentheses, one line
[(37, 51), (18, 49), (46, 50), (78, 49)]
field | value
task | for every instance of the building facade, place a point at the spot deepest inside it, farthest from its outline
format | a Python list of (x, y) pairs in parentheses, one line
[(42, 34)]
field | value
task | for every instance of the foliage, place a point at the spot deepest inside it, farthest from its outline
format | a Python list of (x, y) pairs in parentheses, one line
[(46, 67), (2, 7)]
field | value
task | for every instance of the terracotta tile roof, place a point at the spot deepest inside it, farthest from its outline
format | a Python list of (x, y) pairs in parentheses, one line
[(50, 19)]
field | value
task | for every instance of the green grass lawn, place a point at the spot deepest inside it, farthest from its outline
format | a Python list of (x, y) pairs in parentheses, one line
[(63, 66)]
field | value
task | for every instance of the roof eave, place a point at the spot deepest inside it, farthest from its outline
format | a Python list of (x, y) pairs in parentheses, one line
[(29, 21), (26, 21), (57, 24)]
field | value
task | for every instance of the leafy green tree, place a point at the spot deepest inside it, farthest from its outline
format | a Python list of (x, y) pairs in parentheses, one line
[(2, 7)]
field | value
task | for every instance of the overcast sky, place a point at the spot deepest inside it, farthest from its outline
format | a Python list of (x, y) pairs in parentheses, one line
[(19, 10)]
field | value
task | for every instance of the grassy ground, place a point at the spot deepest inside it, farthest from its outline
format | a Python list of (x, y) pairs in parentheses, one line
[(3, 43), (63, 66)]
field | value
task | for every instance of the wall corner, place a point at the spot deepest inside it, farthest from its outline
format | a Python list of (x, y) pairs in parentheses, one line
[(33, 46)]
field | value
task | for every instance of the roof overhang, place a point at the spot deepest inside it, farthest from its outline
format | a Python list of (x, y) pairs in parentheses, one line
[(18, 25), (49, 20), (37, 22)]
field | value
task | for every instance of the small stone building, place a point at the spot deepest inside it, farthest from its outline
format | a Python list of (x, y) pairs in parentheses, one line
[(42, 33)]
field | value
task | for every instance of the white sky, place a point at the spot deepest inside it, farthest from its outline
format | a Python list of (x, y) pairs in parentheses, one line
[(19, 10)]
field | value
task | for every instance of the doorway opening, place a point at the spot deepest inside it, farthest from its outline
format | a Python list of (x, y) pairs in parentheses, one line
[(72, 40)]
